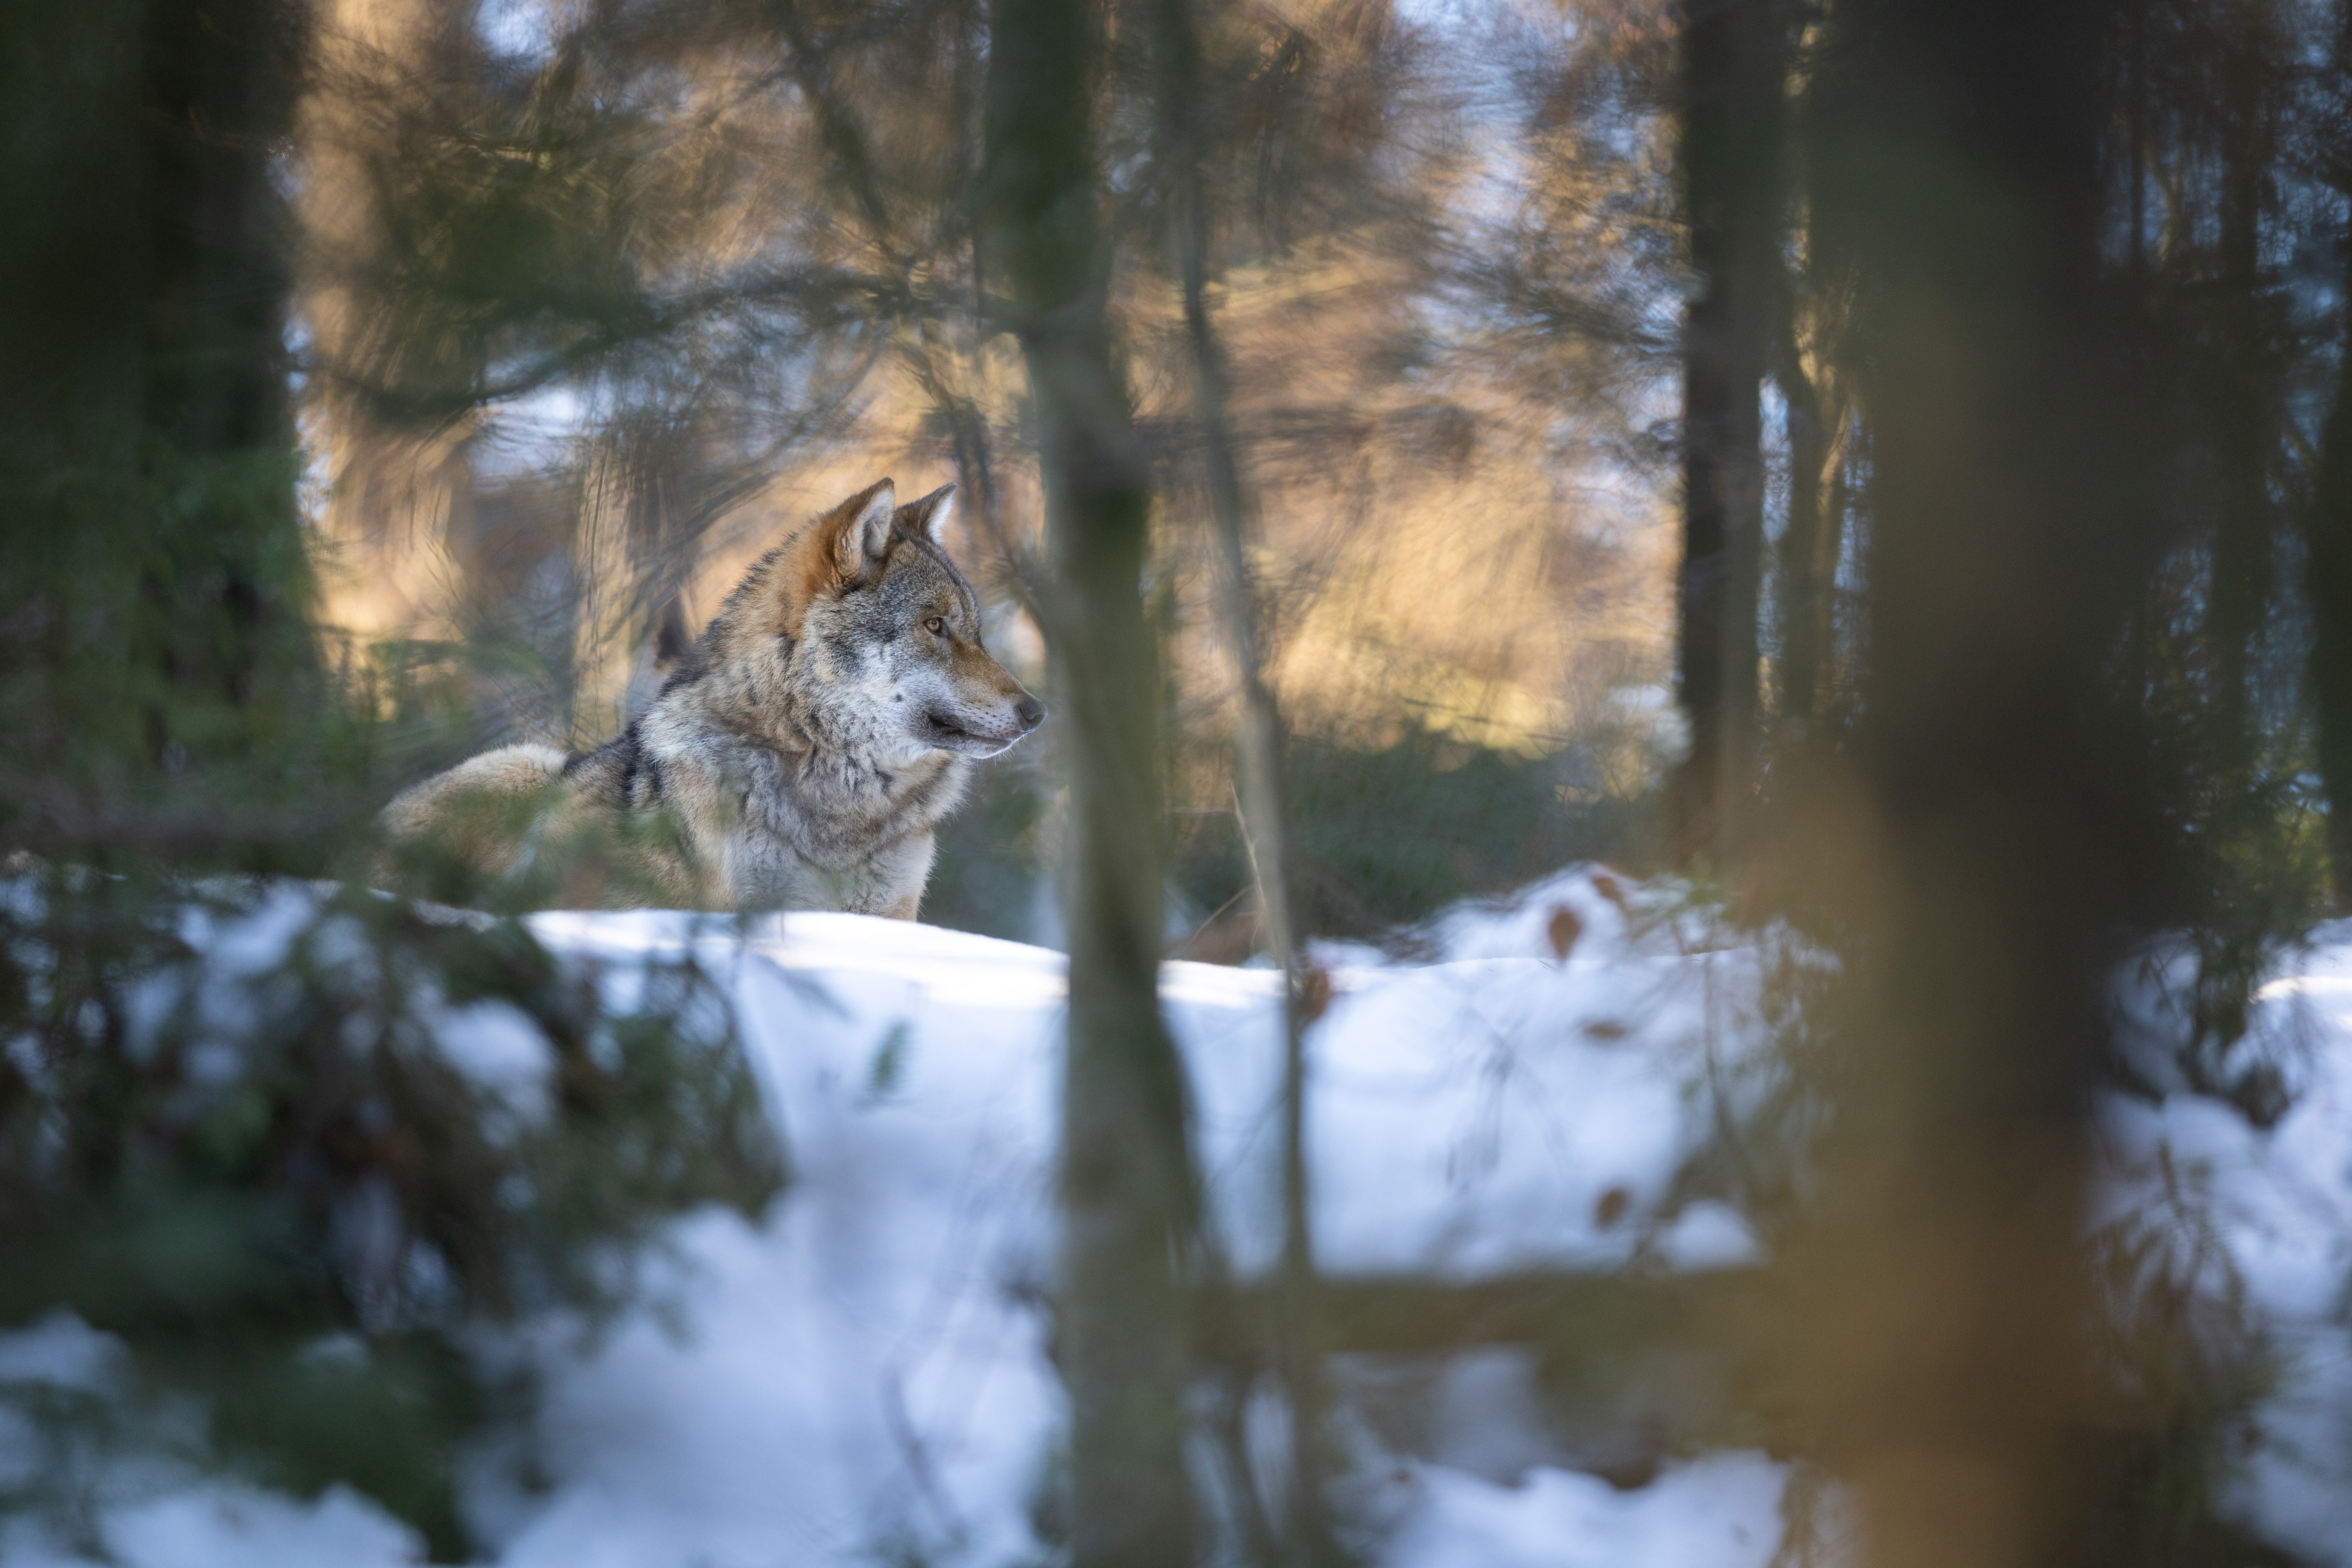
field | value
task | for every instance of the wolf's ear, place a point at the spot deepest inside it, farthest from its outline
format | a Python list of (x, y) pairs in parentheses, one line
[(928, 517), (856, 533)]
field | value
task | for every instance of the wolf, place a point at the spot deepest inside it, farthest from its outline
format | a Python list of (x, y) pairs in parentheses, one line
[(800, 756)]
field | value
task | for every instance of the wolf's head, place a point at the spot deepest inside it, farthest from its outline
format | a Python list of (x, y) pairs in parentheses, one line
[(878, 633)]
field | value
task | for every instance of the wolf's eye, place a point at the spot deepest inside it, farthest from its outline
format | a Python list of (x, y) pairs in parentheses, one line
[(936, 627)]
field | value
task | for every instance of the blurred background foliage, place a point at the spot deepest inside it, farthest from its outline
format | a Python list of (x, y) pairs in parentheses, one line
[(600, 301)]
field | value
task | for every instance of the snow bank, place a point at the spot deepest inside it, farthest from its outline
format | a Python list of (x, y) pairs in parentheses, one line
[(2268, 1213), (868, 1368), (865, 1372), (1720, 1512)]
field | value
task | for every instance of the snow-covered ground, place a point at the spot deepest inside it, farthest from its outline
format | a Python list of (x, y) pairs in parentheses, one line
[(864, 1372)]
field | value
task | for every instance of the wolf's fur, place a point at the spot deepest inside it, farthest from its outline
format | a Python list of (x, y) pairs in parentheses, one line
[(801, 754)]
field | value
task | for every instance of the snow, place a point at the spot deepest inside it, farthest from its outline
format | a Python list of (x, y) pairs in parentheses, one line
[(499, 1049), (1722, 1511), (62, 1351), (864, 1371), (229, 1526), (2280, 1204)]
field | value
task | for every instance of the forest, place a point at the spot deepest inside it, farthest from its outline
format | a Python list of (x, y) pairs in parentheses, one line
[(1680, 902)]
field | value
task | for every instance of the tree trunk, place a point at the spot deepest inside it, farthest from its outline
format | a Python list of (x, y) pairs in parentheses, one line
[(1808, 559), (2242, 548), (1126, 1184), (155, 573), (1985, 843), (2327, 536), (1730, 146), (1258, 761)]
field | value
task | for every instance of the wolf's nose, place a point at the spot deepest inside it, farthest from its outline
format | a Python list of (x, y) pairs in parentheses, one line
[(1032, 713)]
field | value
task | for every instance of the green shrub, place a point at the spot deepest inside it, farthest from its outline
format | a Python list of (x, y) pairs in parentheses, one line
[(232, 1133), (1384, 836)]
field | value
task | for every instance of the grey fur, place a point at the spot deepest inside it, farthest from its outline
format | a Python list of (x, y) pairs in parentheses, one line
[(805, 748)]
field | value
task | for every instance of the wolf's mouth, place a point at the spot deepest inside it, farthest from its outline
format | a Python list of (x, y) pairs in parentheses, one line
[(940, 730)]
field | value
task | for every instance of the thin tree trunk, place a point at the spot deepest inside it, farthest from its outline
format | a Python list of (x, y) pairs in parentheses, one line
[(2241, 549), (1126, 1186), (2136, 153), (1258, 759), (1730, 139), (1812, 542), (1804, 564), (1829, 557), (1984, 845), (2327, 536)]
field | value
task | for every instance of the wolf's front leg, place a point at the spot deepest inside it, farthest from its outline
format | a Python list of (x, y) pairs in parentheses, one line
[(897, 876)]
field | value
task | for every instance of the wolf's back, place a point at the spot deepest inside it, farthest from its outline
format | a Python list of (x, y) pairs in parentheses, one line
[(477, 812)]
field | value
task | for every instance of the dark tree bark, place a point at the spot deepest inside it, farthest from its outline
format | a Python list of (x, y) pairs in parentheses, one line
[(1988, 840), (1126, 1184), (1730, 158), (146, 264), (2241, 549), (1812, 542), (1808, 546), (216, 98), (146, 441), (2327, 536)]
